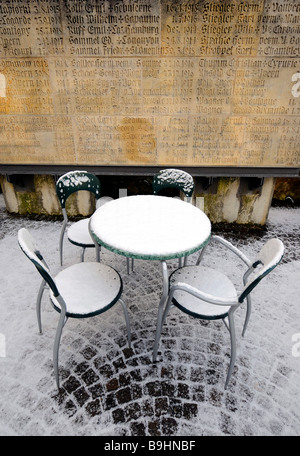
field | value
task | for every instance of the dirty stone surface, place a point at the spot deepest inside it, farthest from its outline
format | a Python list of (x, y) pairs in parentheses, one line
[(108, 389)]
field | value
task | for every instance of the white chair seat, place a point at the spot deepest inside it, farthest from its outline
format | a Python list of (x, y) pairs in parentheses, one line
[(103, 200), (78, 234), (209, 294), (82, 290), (207, 280), (88, 289)]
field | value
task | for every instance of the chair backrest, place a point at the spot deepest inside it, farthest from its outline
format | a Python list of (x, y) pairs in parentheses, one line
[(267, 259), (175, 178), (75, 181), (28, 246)]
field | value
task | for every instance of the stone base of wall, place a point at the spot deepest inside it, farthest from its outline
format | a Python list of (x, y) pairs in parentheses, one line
[(287, 191), (230, 200), (240, 200), (37, 195)]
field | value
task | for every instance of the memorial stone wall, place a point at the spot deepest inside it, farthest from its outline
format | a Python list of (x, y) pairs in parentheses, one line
[(150, 82)]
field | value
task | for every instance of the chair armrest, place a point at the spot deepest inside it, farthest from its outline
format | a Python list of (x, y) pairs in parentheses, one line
[(220, 301), (230, 246)]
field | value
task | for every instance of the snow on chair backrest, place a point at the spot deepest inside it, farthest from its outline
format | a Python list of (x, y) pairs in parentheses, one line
[(267, 259), (28, 246), (75, 181), (177, 178)]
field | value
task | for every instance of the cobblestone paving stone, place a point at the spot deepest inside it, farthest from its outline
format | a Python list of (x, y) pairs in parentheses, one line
[(109, 389)]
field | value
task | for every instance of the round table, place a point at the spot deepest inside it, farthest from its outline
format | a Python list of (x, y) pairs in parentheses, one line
[(150, 227)]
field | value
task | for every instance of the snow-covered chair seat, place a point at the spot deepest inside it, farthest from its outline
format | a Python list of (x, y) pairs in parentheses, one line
[(78, 233), (80, 291), (206, 293)]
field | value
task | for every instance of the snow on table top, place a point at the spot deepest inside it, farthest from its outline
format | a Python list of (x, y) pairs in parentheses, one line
[(150, 227)]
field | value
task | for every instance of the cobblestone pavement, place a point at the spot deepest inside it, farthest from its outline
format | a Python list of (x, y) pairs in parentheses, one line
[(109, 389)]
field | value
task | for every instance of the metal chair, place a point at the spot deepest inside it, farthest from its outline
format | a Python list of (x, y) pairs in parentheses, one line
[(80, 291), (205, 293), (78, 233), (174, 178), (170, 178)]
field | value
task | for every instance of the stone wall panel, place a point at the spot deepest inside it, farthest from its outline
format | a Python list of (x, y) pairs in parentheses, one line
[(140, 82)]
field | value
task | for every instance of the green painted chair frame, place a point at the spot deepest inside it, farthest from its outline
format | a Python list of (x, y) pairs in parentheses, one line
[(66, 185), (174, 178), (89, 289), (205, 293), (170, 178)]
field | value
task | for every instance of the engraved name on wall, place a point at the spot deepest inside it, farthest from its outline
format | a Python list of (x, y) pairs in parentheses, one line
[(137, 82)]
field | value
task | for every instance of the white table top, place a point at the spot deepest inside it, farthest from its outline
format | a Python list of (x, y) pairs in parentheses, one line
[(150, 227)]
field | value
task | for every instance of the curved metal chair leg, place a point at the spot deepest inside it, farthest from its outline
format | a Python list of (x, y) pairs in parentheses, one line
[(61, 239), (201, 255), (226, 323), (159, 329), (127, 321), (233, 348), (38, 304), (82, 254), (61, 323), (248, 313)]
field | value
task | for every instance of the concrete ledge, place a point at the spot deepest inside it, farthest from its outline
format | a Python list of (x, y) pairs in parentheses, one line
[(228, 171), (242, 200)]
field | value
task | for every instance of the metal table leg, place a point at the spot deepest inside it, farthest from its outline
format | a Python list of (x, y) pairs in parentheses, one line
[(161, 308)]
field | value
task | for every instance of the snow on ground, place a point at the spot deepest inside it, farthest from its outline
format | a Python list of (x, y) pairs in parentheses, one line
[(110, 390)]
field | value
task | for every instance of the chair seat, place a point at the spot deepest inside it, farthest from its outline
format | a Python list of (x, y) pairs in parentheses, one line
[(207, 280), (88, 289), (103, 200), (78, 234)]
